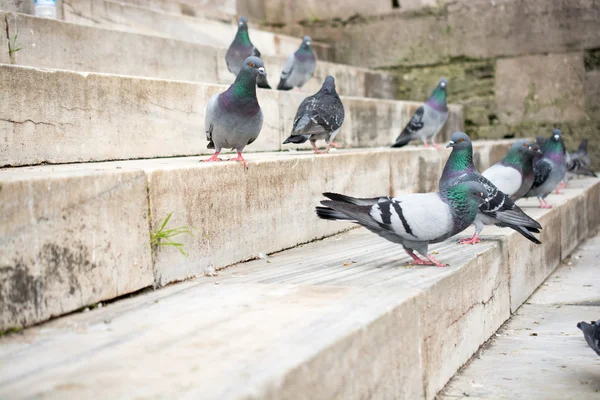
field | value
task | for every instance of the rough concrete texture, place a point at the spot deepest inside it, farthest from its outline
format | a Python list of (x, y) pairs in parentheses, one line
[(69, 239), (540, 353), (59, 117), (540, 88), (26, 7), (54, 44), (352, 319)]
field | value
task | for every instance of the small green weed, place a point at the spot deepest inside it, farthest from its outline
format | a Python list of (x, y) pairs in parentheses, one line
[(163, 236), (14, 46)]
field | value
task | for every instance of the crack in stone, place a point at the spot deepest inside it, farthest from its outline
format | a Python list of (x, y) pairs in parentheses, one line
[(34, 122)]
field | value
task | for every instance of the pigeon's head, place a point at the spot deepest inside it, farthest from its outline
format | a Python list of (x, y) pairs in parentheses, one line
[(533, 149), (306, 43), (555, 134), (540, 140), (243, 23), (329, 85), (443, 84), (255, 66), (459, 140)]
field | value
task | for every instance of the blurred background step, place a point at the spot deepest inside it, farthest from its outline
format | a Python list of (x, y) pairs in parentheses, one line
[(340, 317)]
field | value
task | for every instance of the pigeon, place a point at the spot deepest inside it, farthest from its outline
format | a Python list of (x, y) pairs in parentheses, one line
[(578, 163), (550, 170), (514, 174), (499, 210), (319, 116), (591, 333), (412, 220), (234, 118), (299, 67), (240, 49), (428, 120)]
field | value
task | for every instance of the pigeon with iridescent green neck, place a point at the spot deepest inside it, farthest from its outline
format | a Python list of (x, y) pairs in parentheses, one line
[(428, 120), (514, 174), (234, 118), (299, 67), (411, 220), (499, 209), (240, 49), (550, 170)]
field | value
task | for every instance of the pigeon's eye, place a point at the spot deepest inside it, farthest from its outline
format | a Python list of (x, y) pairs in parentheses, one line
[(461, 140), (525, 145), (251, 64)]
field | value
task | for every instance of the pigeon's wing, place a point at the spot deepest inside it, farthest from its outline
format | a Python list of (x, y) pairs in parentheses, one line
[(318, 114), (411, 129), (505, 178), (288, 67), (354, 200), (211, 108), (541, 172)]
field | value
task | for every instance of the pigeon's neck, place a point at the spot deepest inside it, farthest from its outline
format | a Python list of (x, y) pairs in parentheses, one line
[(303, 54), (554, 151), (527, 165), (514, 159), (438, 100), (462, 205), (242, 37), (241, 95), (459, 163)]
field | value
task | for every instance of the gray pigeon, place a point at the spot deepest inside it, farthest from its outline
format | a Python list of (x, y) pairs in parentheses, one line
[(578, 163), (412, 220), (428, 120), (514, 174), (234, 118), (319, 116), (591, 333), (499, 209), (299, 67), (240, 49), (550, 170)]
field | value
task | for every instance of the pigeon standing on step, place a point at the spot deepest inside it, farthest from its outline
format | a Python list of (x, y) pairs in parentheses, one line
[(319, 116), (428, 120), (578, 163), (412, 220), (499, 209), (234, 118), (550, 170), (591, 333), (514, 174), (240, 49), (299, 67)]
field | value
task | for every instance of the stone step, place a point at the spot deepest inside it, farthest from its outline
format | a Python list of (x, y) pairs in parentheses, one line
[(340, 318), (76, 234), (121, 16), (47, 43), (55, 116)]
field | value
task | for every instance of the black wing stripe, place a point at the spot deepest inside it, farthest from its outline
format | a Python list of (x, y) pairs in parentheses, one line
[(400, 213)]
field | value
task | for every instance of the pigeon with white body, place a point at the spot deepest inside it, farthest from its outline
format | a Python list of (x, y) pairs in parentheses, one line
[(514, 174), (428, 120), (299, 67), (499, 209), (240, 49), (413, 220), (234, 118), (550, 170), (319, 116), (591, 333)]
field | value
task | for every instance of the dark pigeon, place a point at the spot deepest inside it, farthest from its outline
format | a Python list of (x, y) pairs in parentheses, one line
[(578, 163), (591, 333)]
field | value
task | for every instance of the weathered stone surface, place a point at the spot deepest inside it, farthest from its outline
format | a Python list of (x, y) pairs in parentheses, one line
[(540, 88), (69, 239), (592, 94)]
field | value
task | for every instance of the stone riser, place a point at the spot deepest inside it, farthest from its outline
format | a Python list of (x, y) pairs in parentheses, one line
[(61, 117), (72, 235)]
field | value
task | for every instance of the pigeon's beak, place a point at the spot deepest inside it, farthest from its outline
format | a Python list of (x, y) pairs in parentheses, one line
[(556, 137), (450, 144), (261, 70), (308, 43)]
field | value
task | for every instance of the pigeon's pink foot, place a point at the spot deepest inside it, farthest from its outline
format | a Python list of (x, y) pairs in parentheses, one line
[(557, 192), (473, 240), (436, 145), (239, 158), (562, 185), (435, 262), (544, 204), (215, 157), (334, 144), (416, 259), (317, 151), (426, 144)]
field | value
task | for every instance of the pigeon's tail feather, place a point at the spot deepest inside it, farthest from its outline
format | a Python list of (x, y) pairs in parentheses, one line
[(262, 82), (517, 217), (330, 214), (211, 145), (353, 200), (403, 139), (282, 86), (296, 139), (585, 171), (351, 212), (583, 147), (525, 232)]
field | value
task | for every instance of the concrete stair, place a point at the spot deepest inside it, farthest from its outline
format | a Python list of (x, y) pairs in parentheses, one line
[(339, 318)]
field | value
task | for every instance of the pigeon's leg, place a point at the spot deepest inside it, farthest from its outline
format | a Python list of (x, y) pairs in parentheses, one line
[(215, 157), (436, 262), (417, 260), (314, 146), (435, 144), (425, 143), (239, 158), (543, 203), (334, 144), (473, 240)]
